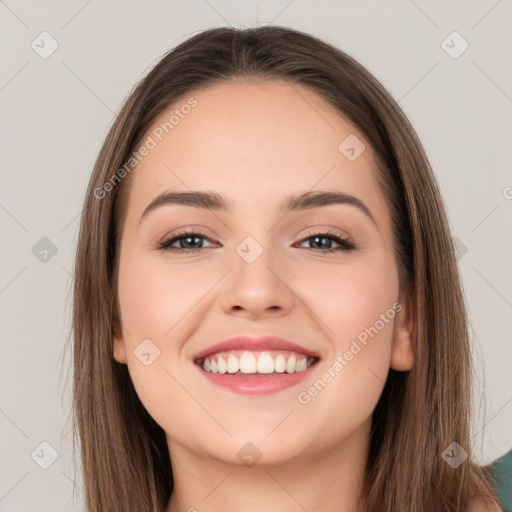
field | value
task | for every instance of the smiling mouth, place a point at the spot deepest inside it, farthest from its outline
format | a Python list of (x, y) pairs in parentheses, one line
[(257, 364)]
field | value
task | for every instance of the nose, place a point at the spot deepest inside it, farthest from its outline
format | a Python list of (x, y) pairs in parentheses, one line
[(258, 288)]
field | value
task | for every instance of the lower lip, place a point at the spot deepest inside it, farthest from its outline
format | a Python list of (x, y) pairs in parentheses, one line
[(257, 384)]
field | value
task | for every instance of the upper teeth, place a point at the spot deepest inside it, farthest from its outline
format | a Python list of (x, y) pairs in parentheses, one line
[(251, 362)]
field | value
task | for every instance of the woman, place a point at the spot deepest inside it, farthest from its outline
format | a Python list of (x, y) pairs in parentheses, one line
[(267, 307)]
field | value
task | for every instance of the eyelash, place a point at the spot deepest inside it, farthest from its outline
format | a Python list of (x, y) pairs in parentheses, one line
[(345, 245)]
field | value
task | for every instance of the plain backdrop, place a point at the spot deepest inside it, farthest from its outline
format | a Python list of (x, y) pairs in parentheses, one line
[(55, 112)]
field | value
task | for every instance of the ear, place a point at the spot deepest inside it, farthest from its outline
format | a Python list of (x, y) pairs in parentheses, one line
[(402, 356), (119, 347)]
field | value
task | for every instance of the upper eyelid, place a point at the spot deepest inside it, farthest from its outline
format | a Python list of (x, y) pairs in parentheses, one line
[(323, 231)]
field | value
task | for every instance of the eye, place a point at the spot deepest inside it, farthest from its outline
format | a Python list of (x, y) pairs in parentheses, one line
[(192, 241), (188, 241), (324, 241)]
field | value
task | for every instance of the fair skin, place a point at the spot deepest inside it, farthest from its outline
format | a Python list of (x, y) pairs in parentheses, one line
[(255, 144)]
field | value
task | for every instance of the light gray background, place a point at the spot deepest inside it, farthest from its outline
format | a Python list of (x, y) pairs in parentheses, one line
[(55, 113)]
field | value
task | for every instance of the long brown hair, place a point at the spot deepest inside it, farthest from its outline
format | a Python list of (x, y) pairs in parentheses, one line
[(124, 454)]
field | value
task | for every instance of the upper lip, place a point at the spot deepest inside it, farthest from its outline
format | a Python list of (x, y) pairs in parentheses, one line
[(254, 343)]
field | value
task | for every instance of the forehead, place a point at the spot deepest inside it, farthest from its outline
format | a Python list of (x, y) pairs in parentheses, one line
[(253, 141)]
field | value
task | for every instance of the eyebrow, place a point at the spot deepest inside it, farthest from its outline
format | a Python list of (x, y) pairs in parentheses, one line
[(213, 201)]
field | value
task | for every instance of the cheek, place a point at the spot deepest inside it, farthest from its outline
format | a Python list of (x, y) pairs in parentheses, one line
[(164, 303), (350, 297), (156, 297), (157, 303), (356, 306)]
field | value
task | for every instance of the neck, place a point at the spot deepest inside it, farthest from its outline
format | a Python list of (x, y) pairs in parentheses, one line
[(329, 481)]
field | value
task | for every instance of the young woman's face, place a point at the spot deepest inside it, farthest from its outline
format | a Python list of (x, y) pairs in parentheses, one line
[(254, 268)]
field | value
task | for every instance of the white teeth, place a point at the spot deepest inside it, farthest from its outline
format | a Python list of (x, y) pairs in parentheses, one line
[(222, 365), (265, 363), (233, 364), (249, 363), (302, 364), (290, 365), (280, 364)]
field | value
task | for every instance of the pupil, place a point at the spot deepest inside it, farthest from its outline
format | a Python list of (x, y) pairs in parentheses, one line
[(316, 238), (189, 238)]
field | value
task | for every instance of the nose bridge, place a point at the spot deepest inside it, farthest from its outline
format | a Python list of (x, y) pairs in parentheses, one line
[(255, 283), (254, 257)]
